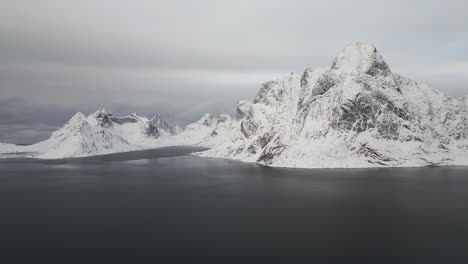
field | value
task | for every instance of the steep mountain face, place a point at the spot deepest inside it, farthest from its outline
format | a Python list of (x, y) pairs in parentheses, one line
[(157, 127), (101, 133), (356, 113)]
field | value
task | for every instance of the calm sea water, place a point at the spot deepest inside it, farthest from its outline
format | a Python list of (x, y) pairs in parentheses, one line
[(163, 206)]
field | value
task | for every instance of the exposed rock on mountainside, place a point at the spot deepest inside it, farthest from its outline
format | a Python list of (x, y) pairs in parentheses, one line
[(356, 113)]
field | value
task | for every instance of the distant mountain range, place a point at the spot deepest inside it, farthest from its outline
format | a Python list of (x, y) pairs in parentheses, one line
[(103, 133), (356, 113)]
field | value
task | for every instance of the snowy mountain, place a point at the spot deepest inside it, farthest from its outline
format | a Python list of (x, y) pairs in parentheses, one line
[(100, 133), (356, 113), (103, 133), (207, 131)]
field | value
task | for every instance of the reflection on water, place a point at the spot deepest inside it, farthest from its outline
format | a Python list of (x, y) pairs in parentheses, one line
[(65, 166), (163, 206), (16, 155), (135, 162)]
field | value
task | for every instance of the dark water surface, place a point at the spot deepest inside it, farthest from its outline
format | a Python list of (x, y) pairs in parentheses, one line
[(162, 206)]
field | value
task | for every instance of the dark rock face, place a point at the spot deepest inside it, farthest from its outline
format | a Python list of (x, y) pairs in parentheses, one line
[(379, 68), (270, 153), (155, 127), (152, 130), (374, 155), (248, 127), (260, 143), (266, 92), (324, 83), (105, 119)]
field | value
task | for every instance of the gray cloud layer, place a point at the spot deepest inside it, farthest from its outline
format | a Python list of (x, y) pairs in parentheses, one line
[(184, 58)]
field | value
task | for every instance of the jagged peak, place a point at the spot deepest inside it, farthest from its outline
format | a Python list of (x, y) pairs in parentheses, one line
[(100, 113), (206, 116), (77, 117), (361, 58), (156, 119), (223, 117), (103, 117), (206, 120)]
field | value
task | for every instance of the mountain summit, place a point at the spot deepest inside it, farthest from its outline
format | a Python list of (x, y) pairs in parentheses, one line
[(356, 113), (361, 58)]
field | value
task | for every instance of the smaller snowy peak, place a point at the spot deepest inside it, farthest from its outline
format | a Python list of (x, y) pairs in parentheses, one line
[(78, 117), (103, 117), (359, 58), (100, 112), (223, 117), (205, 120), (75, 122), (208, 123), (207, 131), (157, 127)]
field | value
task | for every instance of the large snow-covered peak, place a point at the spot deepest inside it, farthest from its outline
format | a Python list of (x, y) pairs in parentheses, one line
[(356, 113), (361, 58)]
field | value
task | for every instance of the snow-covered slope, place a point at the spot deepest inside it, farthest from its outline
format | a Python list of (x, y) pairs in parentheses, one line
[(8, 148), (356, 113), (103, 133), (207, 131), (100, 133)]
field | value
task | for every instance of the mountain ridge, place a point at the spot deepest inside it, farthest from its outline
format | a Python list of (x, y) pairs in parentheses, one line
[(355, 113)]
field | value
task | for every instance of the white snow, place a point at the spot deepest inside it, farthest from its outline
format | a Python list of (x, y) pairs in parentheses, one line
[(9, 148), (102, 133), (356, 113)]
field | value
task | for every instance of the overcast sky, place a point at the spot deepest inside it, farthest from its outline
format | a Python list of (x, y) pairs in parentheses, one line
[(185, 58)]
